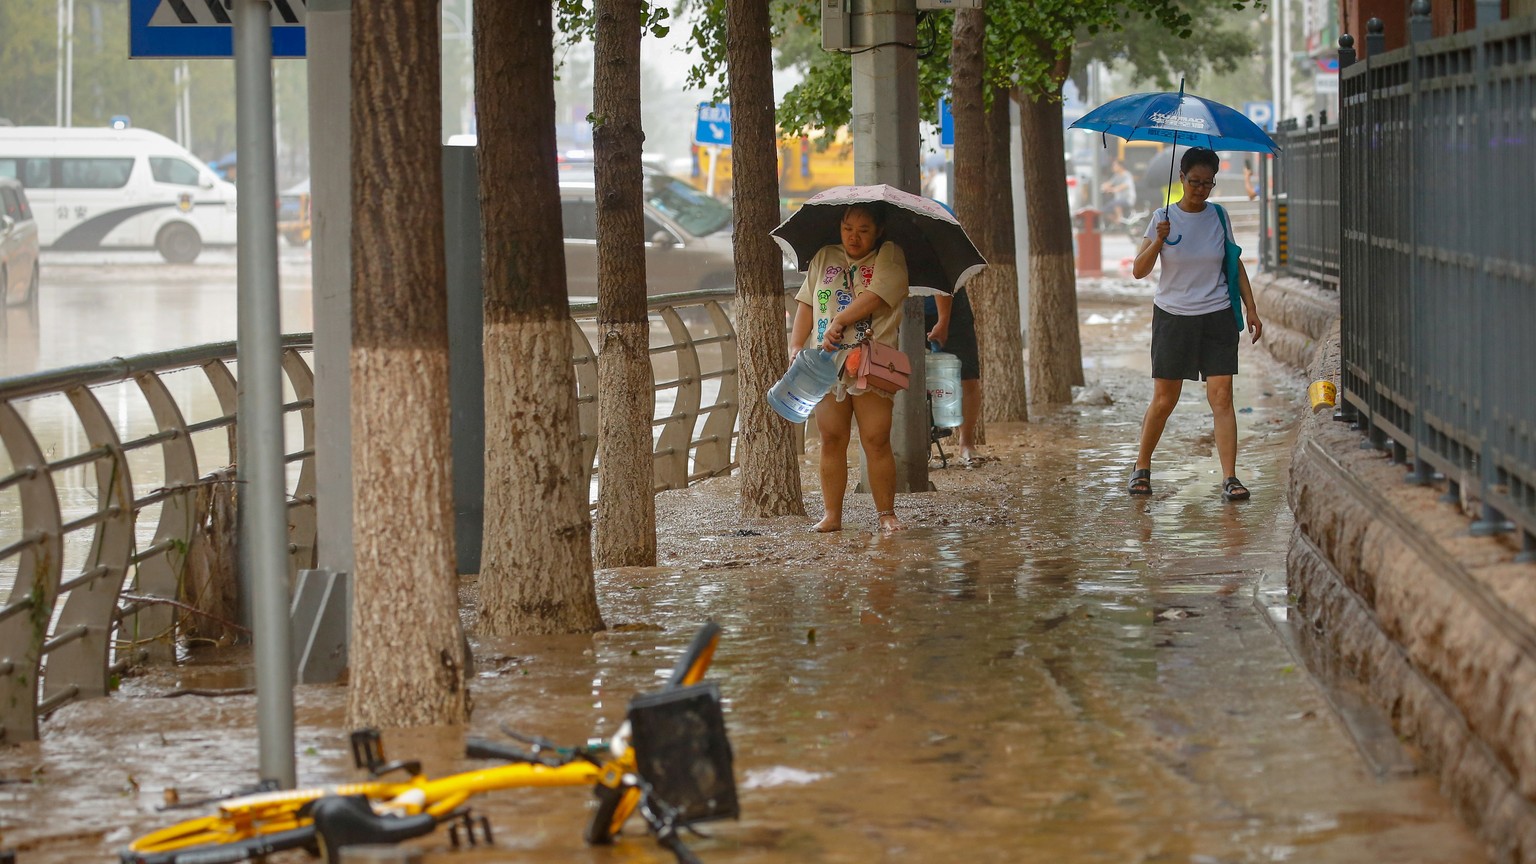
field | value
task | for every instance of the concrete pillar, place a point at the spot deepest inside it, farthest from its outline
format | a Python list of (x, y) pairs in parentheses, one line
[(329, 35), (885, 150)]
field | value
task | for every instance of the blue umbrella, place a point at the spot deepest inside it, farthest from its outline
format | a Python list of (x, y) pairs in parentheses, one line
[(1177, 118)]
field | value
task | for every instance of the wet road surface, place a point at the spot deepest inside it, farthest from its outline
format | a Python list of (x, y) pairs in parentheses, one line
[(1041, 669)]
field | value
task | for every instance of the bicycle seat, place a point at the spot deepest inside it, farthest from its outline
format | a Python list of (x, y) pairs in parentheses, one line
[(347, 820)]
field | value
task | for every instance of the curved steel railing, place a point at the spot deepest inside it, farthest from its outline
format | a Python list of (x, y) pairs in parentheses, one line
[(103, 463)]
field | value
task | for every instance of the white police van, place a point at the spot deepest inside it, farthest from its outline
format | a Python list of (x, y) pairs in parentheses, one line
[(100, 188)]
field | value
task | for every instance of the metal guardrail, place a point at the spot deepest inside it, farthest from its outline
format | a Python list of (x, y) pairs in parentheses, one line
[(1438, 267), (66, 628), (694, 440), (93, 560)]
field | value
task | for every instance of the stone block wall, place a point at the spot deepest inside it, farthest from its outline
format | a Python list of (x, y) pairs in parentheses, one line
[(1439, 626)]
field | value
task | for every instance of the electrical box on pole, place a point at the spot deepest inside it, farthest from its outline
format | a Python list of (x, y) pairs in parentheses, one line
[(835, 25)]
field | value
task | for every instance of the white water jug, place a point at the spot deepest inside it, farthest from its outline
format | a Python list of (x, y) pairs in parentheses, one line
[(808, 379), (944, 388)]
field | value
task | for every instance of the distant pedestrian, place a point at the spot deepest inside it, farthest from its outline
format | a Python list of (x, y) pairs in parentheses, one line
[(950, 322), (1121, 189), (1194, 335)]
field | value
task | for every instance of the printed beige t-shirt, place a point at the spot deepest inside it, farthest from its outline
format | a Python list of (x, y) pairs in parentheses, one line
[(828, 279)]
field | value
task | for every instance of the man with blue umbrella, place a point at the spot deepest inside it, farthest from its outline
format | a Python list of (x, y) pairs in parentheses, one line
[(1202, 287)]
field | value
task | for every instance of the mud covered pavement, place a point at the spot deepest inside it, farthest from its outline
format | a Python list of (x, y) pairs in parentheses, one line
[(1040, 669)]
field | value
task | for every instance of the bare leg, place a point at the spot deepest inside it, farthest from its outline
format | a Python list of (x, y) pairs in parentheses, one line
[(1218, 389), (970, 412), (834, 420), (1165, 395), (874, 415)]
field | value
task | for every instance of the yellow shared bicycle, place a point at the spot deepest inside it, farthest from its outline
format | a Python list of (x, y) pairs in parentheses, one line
[(670, 761)]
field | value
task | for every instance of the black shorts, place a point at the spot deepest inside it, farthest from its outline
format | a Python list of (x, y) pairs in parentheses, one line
[(962, 333), (1193, 346)]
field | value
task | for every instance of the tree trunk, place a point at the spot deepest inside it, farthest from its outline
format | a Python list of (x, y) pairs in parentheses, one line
[(999, 330), (536, 567), (626, 502), (1055, 347), (770, 477), (408, 664)]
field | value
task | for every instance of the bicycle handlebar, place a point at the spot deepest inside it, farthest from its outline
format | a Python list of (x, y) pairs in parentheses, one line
[(482, 748)]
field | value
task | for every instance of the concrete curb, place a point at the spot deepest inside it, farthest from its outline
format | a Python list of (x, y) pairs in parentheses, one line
[(1436, 624)]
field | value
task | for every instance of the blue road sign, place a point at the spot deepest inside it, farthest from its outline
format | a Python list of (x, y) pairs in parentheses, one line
[(946, 124), (1261, 113), (202, 28), (714, 126)]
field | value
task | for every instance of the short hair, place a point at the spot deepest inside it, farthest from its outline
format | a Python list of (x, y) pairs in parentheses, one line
[(1200, 156)]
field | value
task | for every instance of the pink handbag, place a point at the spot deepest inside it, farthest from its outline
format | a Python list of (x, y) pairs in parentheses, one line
[(879, 367)]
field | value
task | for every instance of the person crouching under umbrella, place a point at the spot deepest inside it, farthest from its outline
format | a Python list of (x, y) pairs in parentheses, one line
[(854, 291)]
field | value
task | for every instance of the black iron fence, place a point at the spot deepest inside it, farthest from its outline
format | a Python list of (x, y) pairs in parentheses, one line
[(1418, 205), (1304, 209)]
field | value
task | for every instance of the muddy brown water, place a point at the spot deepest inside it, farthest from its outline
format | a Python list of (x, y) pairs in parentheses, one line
[(1040, 669)]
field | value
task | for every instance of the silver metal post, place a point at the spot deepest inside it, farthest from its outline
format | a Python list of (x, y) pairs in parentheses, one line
[(263, 511), (886, 150)]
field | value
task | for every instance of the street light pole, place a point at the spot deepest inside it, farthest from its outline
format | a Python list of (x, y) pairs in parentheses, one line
[(69, 63), (64, 76), (263, 508)]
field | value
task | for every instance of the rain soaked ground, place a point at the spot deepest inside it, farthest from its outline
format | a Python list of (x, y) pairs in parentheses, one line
[(1041, 670)]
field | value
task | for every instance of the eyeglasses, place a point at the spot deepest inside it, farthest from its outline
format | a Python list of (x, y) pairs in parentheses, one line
[(1201, 184)]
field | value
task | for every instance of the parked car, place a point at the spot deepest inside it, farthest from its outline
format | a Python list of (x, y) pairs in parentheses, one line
[(19, 271), (687, 237)]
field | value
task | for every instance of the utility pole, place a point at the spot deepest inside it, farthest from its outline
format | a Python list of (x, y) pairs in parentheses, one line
[(885, 150)]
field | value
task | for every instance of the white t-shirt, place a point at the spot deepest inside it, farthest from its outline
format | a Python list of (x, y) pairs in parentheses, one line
[(1192, 280)]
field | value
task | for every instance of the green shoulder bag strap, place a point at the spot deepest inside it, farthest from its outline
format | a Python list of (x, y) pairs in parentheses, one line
[(1231, 264)]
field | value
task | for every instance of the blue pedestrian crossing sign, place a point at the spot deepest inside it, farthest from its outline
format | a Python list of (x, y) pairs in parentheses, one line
[(714, 126), (204, 28)]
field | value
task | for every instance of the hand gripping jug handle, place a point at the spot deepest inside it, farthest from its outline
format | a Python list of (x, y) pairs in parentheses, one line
[(810, 375)]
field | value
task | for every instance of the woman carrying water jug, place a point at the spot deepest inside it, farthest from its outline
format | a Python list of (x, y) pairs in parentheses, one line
[(853, 291)]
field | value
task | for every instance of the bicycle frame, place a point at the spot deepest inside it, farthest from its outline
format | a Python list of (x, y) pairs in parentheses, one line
[(283, 816), (268, 812)]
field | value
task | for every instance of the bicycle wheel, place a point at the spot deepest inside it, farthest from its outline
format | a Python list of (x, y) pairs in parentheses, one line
[(616, 802)]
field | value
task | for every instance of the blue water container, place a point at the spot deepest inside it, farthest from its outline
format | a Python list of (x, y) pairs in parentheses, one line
[(808, 379), (944, 389)]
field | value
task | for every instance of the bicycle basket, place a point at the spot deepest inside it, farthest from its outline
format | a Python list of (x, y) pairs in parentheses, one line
[(681, 749)]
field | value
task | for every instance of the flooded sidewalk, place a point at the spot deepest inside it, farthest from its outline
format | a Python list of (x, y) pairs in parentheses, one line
[(1041, 669)]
